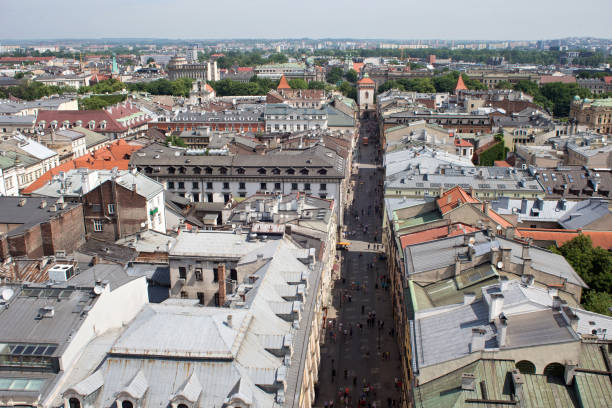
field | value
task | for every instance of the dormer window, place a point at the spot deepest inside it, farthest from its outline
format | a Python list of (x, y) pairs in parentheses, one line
[(54, 124), (241, 170), (322, 172), (197, 170), (103, 124), (171, 170), (208, 170), (92, 124), (66, 124), (304, 172), (261, 170), (127, 404), (276, 171), (290, 171), (42, 124), (79, 122), (223, 170), (182, 170)]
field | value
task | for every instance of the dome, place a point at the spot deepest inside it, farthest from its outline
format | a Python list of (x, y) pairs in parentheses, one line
[(177, 61), (576, 98)]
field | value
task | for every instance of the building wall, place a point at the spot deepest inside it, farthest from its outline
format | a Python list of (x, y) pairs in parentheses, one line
[(130, 211), (64, 233)]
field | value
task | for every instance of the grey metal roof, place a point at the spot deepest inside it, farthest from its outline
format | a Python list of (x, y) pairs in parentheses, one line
[(584, 213), (533, 210), (114, 274), (224, 245)]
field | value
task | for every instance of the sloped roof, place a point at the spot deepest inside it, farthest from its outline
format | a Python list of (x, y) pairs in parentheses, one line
[(601, 239), (436, 233), (463, 143), (283, 84), (366, 80), (460, 85), (454, 198)]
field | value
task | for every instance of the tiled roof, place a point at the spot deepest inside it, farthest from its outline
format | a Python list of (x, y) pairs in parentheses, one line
[(501, 163), (463, 143), (357, 66), (601, 239), (549, 79), (460, 85), (436, 233), (116, 155), (453, 198), (365, 81), (283, 84)]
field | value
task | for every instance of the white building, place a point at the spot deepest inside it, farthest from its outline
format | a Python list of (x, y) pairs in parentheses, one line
[(284, 118)]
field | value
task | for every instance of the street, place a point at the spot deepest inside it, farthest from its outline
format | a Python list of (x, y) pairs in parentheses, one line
[(360, 361)]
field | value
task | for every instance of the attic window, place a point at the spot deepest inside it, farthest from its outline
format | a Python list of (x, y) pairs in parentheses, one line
[(261, 170), (304, 172), (276, 171), (290, 171), (103, 124), (66, 124), (241, 170), (182, 170), (197, 170), (92, 124), (223, 170), (322, 171), (171, 170)]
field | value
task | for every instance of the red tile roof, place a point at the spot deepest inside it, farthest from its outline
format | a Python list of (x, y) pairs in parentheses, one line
[(245, 69), (607, 79), (497, 218), (501, 163), (115, 155), (454, 198), (463, 143), (357, 66), (209, 88), (110, 115), (601, 239), (460, 85), (26, 59), (436, 233), (283, 84), (366, 80), (550, 79)]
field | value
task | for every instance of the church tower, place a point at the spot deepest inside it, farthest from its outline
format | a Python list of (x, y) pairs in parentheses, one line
[(365, 93)]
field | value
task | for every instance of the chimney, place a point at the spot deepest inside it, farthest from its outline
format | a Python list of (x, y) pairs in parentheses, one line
[(457, 266), (468, 382), (525, 253), (469, 298), (517, 381), (501, 325), (570, 371), (556, 303), (478, 340), (43, 203), (221, 278), (510, 233), (486, 207), (494, 255), (441, 191), (570, 317), (496, 306), (506, 253), (503, 283), (527, 280), (22, 202), (230, 322)]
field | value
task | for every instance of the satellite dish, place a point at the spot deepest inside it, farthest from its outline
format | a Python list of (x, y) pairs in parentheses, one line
[(500, 265), (7, 293), (98, 290), (499, 227)]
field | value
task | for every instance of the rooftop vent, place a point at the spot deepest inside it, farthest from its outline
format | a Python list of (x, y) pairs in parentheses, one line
[(22, 202)]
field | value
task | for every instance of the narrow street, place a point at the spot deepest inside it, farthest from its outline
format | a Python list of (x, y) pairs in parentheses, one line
[(360, 360)]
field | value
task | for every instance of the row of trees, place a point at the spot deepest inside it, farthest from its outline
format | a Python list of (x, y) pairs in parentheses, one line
[(259, 86), (594, 265), (441, 83), (245, 59), (178, 87), (30, 90), (554, 97), (95, 102)]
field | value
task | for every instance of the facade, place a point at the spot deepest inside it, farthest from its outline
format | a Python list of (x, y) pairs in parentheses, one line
[(74, 81), (241, 120), (34, 227), (298, 98), (178, 67), (596, 86), (21, 124), (596, 114), (289, 70), (317, 171), (461, 122), (365, 93), (284, 118), (67, 143), (200, 92)]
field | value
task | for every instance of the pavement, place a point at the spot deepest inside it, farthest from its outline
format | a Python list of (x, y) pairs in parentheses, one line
[(357, 361)]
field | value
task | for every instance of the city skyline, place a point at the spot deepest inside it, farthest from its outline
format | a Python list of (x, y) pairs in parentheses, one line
[(393, 20)]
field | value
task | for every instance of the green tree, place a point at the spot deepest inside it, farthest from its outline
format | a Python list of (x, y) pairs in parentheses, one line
[(175, 141), (19, 75), (96, 102), (150, 61), (334, 75), (504, 85), (348, 90), (561, 95), (598, 302), (298, 83), (316, 85), (278, 58), (351, 76)]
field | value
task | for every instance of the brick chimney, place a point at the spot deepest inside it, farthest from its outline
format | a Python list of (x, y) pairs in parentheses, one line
[(221, 277)]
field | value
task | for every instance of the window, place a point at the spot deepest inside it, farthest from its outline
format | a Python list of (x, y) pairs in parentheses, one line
[(304, 172), (233, 274), (201, 300), (294, 186), (181, 185), (182, 272), (128, 404), (96, 208), (240, 170), (194, 185), (196, 198), (171, 170), (226, 198), (98, 226), (242, 185), (208, 170), (262, 186), (277, 186), (226, 186), (182, 170), (223, 170), (290, 171), (171, 184), (242, 194), (74, 403), (322, 171), (261, 171), (209, 185), (209, 197), (307, 186), (215, 274), (197, 170), (276, 171)]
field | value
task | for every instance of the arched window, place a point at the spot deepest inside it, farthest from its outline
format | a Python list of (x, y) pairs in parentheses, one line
[(197, 170), (323, 172), (290, 171), (181, 406), (74, 403), (171, 170), (276, 171), (223, 170), (304, 172), (182, 170), (208, 170), (261, 170), (367, 94), (554, 370), (526, 367), (241, 170), (127, 404)]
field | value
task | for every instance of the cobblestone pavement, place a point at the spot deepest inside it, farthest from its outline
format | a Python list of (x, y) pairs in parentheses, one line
[(367, 354)]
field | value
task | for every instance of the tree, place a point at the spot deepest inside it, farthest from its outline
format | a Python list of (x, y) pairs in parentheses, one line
[(594, 265), (278, 58), (316, 85), (96, 102), (351, 75), (334, 75), (175, 141), (150, 61), (598, 302), (504, 85), (348, 90), (298, 83), (561, 95)]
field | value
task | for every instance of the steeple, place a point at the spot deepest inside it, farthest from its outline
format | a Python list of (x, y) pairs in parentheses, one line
[(460, 85), (283, 84)]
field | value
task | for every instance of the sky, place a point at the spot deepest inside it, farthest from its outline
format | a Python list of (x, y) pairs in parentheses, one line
[(391, 19)]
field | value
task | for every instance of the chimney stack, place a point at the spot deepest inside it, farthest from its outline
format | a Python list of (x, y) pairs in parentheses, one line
[(501, 325), (510, 232), (221, 278), (457, 266), (478, 340), (486, 207), (495, 306), (570, 371), (230, 322)]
